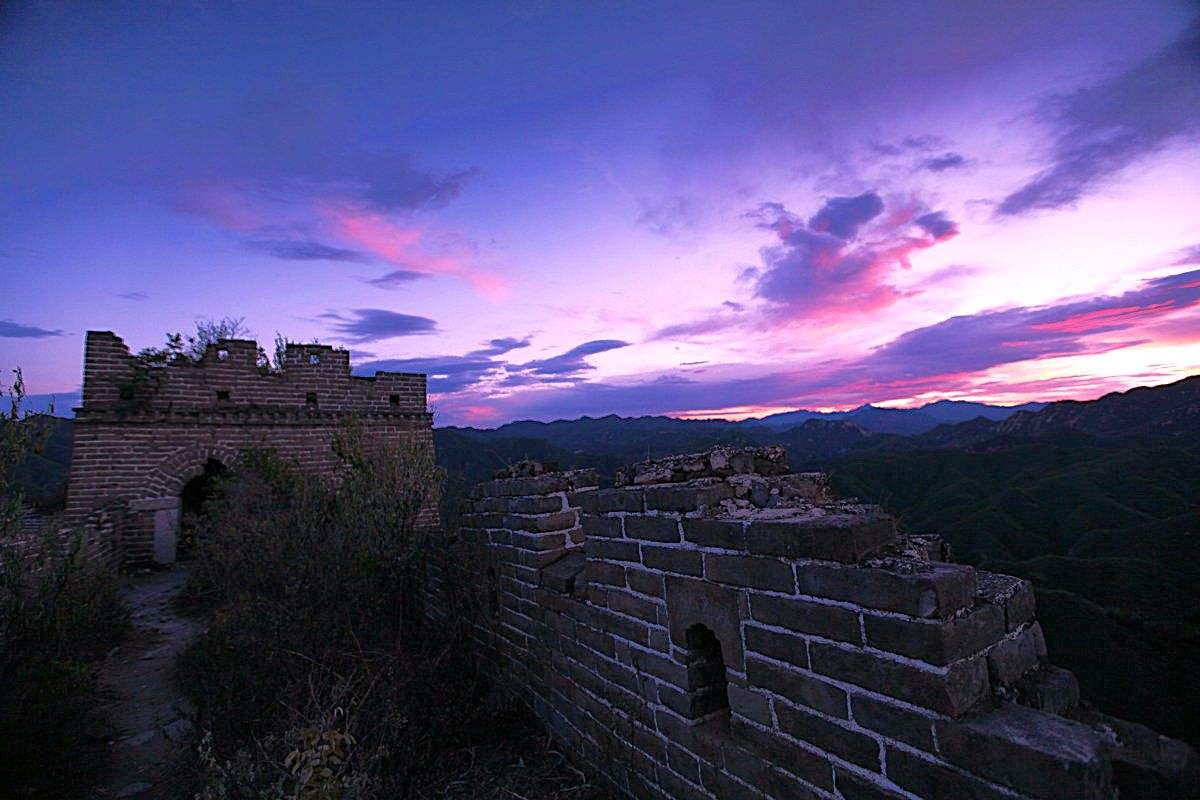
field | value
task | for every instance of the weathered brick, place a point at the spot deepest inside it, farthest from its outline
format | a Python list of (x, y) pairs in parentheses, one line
[(798, 687), (938, 641), (852, 786), (954, 691), (725, 534), (1031, 751), (613, 549), (1012, 595), (539, 523), (779, 646), (916, 588), (673, 559), (1012, 658), (600, 501), (687, 497), (751, 571), (855, 747), (926, 778), (828, 621), (796, 760), (654, 529), (609, 527), (893, 721), (832, 537)]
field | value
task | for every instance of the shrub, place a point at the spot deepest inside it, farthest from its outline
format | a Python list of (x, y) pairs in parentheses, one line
[(58, 614)]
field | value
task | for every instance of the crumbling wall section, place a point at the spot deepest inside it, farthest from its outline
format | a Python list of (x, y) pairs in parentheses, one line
[(716, 627)]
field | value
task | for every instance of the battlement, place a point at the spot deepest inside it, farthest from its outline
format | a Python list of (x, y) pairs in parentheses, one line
[(314, 378), (718, 627)]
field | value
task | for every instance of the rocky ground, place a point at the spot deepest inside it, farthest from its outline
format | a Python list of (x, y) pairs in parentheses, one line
[(143, 720)]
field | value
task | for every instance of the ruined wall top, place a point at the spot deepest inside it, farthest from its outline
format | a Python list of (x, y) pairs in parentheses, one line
[(314, 379)]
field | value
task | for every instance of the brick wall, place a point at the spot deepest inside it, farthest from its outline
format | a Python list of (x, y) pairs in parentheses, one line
[(719, 628), (143, 433)]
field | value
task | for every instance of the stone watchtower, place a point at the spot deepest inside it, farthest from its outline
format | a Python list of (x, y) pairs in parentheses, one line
[(143, 432)]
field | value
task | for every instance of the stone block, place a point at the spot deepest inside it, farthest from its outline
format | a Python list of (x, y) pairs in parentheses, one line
[(613, 549), (915, 588), (955, 690), (604, 572), (725, 534), (687, 497), (1050, 689), (750, 704), (937, 641), (1012, 658), (852, 786), (601, 501), (1013, 595), (560, 576), (604, 527), (852, 745), (802, 616), (847, 538), (673, 559), (796, 760), (652, 529), (893, 721), (542, 484), (797, 687), (779, 646), (930, 779), (540, 523), (755, 572), (1030, 751)]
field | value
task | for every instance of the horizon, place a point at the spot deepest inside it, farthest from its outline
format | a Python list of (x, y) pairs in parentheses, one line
[(566, 212)]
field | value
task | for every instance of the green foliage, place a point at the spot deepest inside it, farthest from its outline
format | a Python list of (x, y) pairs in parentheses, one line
[(58, 614)]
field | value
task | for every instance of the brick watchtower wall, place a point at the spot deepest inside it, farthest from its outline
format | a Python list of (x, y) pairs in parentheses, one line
[(143, 432), (719, 628)]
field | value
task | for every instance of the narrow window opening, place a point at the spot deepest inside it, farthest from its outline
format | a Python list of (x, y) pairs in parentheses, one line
[(393, 400), (708, 692), (311, 398), (313, 358), (222, 355), (222, 395)]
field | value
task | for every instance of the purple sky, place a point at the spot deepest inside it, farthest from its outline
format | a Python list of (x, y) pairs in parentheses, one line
[(555, 210)]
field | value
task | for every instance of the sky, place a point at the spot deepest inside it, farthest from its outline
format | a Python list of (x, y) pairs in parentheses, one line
[(693, 209)]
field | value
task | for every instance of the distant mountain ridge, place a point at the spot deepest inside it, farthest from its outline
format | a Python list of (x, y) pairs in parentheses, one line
[(903, 421)]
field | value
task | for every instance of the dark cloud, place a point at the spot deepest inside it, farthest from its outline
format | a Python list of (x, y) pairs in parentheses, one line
[(134, 296), (372, 324), (937, 224), (573, 361), (1101, 129), (498, 347), (843, 216), (447, 374), (14, 330), (818, 271), (292, 250), (944, 162), (396, 278)]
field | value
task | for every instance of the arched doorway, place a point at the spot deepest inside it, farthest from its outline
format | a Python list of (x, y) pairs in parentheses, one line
[(192, 499), (708, 686)]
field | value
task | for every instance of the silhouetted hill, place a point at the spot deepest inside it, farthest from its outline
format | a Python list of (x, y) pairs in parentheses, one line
[(902, 421), (1171, 409)]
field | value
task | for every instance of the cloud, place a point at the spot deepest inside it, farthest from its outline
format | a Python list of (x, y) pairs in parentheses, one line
[(1103, 128), (292, 250), (573, 361), (134, 296), (822, 271), (1187, 256), (671, 217), (396, 278), (498, 347), (372, 324), (937, 224), (14, 330), (843, 216), (944, 162), (948, 355)]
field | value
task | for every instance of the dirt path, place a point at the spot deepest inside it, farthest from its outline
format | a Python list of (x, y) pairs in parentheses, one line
[(144, 713)]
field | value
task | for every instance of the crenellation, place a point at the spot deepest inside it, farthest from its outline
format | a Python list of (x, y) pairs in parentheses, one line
[(722, 628)]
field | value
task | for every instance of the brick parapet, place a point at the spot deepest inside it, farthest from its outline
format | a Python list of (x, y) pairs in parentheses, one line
[(854, 664)]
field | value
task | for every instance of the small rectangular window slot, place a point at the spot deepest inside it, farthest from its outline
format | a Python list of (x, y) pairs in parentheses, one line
[(313, 358), (394, 400), (311, 398), (222, 395)]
